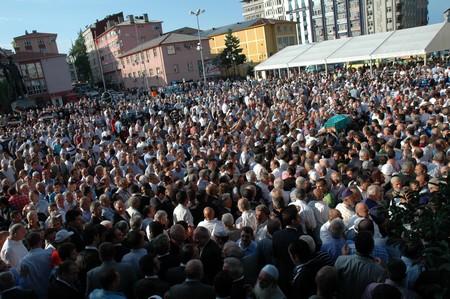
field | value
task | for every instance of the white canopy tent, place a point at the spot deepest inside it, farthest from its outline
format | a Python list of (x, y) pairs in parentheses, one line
[(405, 42)]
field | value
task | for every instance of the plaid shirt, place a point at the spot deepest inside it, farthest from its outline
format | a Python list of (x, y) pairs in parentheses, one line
[(19, 201)]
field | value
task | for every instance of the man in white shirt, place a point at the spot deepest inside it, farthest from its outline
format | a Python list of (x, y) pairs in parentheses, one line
[(181, 212), (345, 207), (248, 216), (210, 222), (13, 249)]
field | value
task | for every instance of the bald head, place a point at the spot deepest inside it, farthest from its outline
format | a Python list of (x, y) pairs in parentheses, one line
[(333, 214), (362, 210), (194, 269), (208, 213)]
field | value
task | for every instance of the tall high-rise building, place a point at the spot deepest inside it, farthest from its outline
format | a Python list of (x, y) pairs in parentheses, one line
[(320, 20), (389, 15)]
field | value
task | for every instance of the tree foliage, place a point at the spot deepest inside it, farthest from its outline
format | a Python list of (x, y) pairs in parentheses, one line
[(232, 50), (430, 224), (78, 51)]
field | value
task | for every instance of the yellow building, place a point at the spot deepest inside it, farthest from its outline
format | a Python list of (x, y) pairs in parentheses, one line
[(259, 38)]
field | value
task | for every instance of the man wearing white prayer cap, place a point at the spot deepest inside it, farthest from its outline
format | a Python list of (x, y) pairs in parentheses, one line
[(267, 287)]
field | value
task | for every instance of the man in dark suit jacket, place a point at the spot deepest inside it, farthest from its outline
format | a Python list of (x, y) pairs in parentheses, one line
[(176, 275), (210, 253), (11, 291), (115, 236), (281, 241), (303, 284), (192, 287), (89, 258), (161, 245), (63, 286), (150, 267), (74, 223), (126, 271)]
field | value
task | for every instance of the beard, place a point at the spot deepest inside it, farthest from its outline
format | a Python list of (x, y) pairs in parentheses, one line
[(266, 293)]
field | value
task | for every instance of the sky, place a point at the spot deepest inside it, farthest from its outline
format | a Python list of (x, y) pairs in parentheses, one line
[(67, 17)]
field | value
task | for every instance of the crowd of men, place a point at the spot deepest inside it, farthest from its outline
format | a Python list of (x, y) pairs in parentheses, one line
[(226, 190)]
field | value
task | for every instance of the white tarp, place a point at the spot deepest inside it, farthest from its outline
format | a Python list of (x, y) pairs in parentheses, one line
[(398, 43), (279, 60), (318, 53)]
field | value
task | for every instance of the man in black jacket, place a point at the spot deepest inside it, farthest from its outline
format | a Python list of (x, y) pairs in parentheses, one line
[(210, 253), (63, 286)]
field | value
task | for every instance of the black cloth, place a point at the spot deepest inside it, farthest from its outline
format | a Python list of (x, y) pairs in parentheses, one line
[(281, 241), (17, 293), (211, 257), (175, 275), (77, 239), (166, 262), (120, 252), (86, 260), (58, 290), (161, 286), (145, 201), (116, 218), (289, 184), (304, 284), (192, 289), (239, 288)]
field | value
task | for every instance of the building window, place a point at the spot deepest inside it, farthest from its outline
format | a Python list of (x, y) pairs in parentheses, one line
[(278, 29), (128, 59), (152, 73), (41, 42), (155, 53), (176, 68), (190, 66), (171, 50), (27, 42), (158, 71)]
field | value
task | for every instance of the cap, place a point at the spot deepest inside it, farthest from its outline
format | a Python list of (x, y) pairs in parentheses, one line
[(310, 241), (271, 270), (220, 231), (62, 235), (346, 193), (387, 169)]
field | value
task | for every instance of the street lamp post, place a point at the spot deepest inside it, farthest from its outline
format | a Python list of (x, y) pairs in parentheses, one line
[(199, 47), (232, 57)]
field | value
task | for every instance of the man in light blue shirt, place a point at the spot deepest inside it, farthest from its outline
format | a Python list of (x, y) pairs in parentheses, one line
[(110, 282), (36, 265)]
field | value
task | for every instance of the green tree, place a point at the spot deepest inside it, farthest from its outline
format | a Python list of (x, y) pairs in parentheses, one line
[(232, 55), (78, 51)]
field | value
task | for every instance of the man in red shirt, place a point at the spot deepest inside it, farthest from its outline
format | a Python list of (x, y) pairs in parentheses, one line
[(18, 201)]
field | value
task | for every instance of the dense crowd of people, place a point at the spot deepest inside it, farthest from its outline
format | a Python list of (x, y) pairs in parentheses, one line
[(234, 189)]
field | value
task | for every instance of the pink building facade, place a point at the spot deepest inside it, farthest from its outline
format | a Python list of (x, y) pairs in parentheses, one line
[(36, 42), (44, 70), (120, 39), (171, 57)]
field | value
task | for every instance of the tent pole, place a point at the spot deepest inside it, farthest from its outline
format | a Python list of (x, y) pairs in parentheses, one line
[(425, 59), (370, 65)]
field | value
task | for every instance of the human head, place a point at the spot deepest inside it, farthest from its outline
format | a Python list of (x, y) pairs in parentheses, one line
[(194, 269), (327, 281), (201, 236), (268, 276)]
